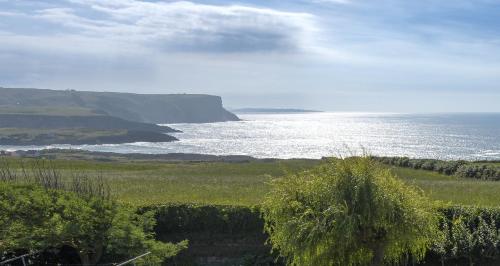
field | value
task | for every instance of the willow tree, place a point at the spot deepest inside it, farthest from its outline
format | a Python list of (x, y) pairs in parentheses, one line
[(348, 212)]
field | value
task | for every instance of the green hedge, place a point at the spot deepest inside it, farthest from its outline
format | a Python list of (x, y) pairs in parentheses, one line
[(477, 170), (188, 218), (232, 234), (469, 234)]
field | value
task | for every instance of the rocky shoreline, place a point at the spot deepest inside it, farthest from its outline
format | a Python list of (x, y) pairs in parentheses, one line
[(110, 156)]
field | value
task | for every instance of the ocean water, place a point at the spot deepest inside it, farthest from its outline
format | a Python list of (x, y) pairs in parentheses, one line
[(314, 135)]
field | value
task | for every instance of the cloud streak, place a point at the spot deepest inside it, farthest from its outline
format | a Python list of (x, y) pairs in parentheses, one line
[(185, 26), (313, 47)]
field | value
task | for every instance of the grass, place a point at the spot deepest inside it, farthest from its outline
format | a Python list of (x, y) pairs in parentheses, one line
[(203, 183), (56, 111), (246, 183), (73, 132), (145, 183), (453, 190)]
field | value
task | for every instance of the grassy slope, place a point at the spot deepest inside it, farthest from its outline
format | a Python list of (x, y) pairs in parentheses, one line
[(76, 133), (57, 111), (152, 108), (207, 183), (450, 189), (143, 183)]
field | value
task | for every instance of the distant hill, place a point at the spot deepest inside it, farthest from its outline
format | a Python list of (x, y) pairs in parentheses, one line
[(96, 122), (272, 110), (77, 136), (148, 108), (48, 126)]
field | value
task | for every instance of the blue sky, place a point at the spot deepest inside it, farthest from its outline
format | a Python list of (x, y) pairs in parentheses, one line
[(339, 55)]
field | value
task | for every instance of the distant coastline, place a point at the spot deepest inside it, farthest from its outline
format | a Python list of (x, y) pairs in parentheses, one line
[(48, 117), (78, 136), (273, 110)]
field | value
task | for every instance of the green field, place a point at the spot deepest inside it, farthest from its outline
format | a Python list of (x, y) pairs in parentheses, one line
[(246, 183), (450, 189), (56, 111)]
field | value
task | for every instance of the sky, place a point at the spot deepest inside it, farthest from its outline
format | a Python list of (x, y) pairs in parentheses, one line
[(335, 55)]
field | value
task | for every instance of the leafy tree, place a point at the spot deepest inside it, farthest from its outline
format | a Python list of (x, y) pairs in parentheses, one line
[(33, 218), (348, 212)]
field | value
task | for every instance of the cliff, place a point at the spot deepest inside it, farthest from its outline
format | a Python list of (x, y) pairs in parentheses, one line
[(148, 108)]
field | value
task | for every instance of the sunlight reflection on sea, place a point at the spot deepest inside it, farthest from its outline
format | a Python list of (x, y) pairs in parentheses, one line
[(314, 135)]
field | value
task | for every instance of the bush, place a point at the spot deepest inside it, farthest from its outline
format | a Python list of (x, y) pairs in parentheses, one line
[(478, 171), (463, 169), (468, 234), (233, 234), (36, 219), (348, 212), (183, 218)]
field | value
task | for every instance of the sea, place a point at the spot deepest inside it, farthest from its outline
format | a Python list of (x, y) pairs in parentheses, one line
[(468, 136)]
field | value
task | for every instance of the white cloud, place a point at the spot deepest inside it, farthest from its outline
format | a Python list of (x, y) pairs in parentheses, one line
[(187, 26), (172, 46)]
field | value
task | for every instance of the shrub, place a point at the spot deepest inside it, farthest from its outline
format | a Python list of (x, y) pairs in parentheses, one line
[(348, 212), (477, 170), (470, 234), (36, 219), (182, 218), (466, 234)]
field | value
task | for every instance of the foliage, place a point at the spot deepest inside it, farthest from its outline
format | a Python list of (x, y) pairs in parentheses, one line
[(233, 232), (468, 234), (477, 170), (34, 219), (348, 212), (178, 218)]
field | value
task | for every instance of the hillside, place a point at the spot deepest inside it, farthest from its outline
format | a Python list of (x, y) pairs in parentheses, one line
[(96, 122), (148, 108), (77, 126), (78, 136)]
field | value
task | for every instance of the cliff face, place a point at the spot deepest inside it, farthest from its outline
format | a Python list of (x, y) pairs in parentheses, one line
[(150, 108)]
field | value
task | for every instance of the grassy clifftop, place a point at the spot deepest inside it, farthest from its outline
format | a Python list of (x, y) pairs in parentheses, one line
[(150, 108)]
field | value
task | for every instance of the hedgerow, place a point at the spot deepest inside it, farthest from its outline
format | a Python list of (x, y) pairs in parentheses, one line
[(459, 168), (468, 235)]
